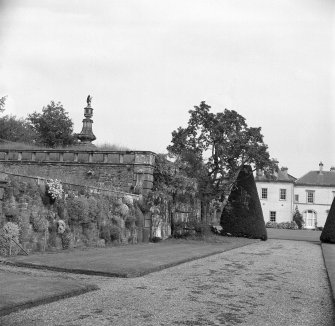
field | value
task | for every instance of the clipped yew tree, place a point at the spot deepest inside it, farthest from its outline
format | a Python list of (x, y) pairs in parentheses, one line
[(242, 215), (328, 232)]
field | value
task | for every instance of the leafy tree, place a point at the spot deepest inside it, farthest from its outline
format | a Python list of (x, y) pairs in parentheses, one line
[(2, 103), (214, 147), (171, 186), (53, 126), (16, 129)]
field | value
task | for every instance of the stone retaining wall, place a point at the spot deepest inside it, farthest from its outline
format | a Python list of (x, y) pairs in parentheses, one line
[(129, 171)]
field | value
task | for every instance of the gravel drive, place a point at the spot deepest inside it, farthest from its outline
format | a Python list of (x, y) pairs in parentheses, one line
[(276, 282)]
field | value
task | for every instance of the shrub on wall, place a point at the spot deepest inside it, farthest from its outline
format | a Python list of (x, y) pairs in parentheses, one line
[(10, 207), (8, 239), (110, 232), (115, 232), (70, 219), (123, 209), (78, 210), (104, 232), (54, 189)]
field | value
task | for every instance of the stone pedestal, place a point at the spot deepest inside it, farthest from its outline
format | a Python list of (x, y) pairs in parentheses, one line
[(86, 135)]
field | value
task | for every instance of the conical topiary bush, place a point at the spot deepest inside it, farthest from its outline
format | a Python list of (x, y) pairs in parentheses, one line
[(243, 216), (328, 232)]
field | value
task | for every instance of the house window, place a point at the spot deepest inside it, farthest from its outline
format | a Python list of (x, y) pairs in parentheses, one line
[(282, 194), (272, 216), (310, 197), (264, 193), (296, 198)]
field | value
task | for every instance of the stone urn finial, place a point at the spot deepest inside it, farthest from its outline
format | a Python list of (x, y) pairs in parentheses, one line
[(86, 135)]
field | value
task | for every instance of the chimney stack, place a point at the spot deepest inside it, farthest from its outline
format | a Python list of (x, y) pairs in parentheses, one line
[(320, 167), (259, 173), (284, 171)]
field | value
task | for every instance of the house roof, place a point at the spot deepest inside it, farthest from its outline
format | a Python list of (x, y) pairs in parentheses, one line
[(317, 178), (281, 176)]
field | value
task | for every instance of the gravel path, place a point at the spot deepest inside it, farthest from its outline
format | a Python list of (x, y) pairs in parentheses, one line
[(267, 283)]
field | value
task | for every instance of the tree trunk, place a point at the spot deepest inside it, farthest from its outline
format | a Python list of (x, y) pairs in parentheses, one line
[(204, 211), (172, 212)]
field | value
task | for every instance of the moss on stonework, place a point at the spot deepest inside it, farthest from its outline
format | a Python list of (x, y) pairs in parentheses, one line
[(243, 216)]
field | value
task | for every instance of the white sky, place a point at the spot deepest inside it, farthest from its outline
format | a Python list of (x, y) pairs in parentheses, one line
[(147, 62)]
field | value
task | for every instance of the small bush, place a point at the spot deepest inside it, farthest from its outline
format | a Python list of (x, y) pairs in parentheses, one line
[(40, 223), (297, 218), (217, 229), (184, 229), (105, 233), (128, 200), (123, 209), (270, 224), (288, 225), (283, 225), (130, 221), (78, 210), (110, 232), (200, 228), (66, 239), (54, 189), (115, 232), (156, 239), (180, 230)]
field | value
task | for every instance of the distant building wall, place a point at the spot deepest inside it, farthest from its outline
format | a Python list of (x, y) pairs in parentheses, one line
[(314, 210), (130, 171), (283, 208), (322, 200)]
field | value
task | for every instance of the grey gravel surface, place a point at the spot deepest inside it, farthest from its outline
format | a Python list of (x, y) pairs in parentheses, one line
[(276, 282)]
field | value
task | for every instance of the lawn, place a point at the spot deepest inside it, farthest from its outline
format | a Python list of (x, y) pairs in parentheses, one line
[(23, 290), (130, 260), (302, 235)]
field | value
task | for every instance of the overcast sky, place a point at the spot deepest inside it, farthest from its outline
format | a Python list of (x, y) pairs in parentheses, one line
[(147, 62)]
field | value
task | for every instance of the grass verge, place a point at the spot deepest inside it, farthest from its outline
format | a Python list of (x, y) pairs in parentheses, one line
[(130, 261)]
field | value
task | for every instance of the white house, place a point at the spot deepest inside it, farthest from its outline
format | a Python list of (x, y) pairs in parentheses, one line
[(276, 196), (312, 194)]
